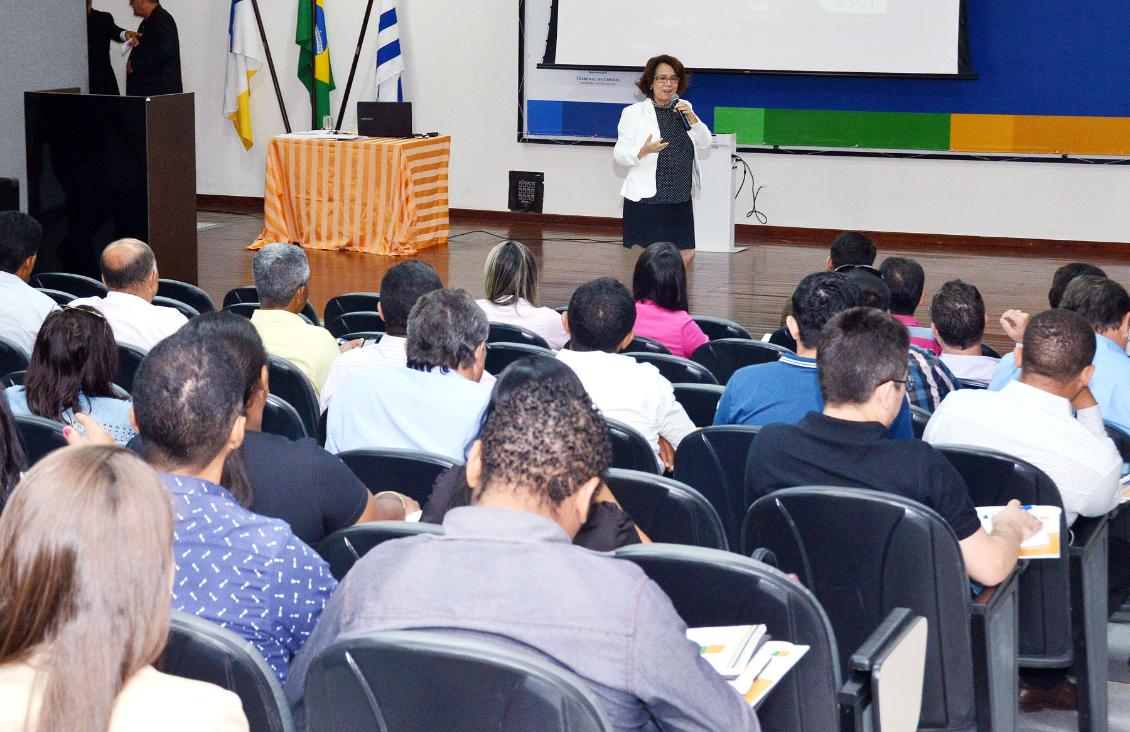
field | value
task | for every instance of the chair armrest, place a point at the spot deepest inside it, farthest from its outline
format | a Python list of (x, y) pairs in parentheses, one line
[(1086, 533), (992, 597), (858, 692), (765, 556)]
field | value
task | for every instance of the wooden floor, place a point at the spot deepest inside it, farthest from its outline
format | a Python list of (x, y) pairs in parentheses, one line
[(750, 287)]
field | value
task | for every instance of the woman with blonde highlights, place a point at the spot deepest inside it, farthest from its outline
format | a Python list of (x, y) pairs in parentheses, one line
[(511, 275), (86, 570)]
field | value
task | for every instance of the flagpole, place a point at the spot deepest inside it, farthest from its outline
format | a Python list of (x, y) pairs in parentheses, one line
[(271, 64), (315, 123), (353, 68)]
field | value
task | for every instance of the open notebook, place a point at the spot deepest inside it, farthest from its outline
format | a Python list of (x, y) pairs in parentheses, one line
[(746, 657), (1044, 544)]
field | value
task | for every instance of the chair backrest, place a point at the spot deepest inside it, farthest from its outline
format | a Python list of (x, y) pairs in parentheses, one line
[(60, 297), (186, 293), (642, 344), (987, 350), (630, 449), (700, 401), (350, 302), (356, 321), (501, 355), (435, 680), (249, 295), (724, 357), (411, 472), (718, 328), (129, 361), (367, 335), (243, 309), (344, 547), (1121, 440), (891, 552), (675, 369), (75, 284), (201, 650), (668, 511), (288, 383), (39, 436), (16, 378), (12, 356), (919, 418), (713, 462), (184, 308), (507, 333), (280, 418), (713, 588), (994, 479), (973, 384)]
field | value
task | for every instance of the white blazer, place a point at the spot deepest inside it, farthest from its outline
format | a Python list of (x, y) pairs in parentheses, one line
[(636, 123)]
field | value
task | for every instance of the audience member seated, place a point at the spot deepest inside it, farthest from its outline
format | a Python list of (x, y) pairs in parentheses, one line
[(436, 402), (83, 618), (512, 279), (281, 272), (245, 572), (862, 370), (1105, 305), (22, 307), (1048, 417), (129, 271), (600, 320), (851, 248), (401, 287), (659, 286), (608, 526), (1063, 276), (505, 567), (906, 279), (957, 314), (12, 459), (72, 370)]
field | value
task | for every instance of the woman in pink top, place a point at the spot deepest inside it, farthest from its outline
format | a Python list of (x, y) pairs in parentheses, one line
[(659, 286)]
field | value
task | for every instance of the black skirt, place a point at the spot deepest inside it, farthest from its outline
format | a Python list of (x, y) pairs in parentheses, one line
[(646, 223)]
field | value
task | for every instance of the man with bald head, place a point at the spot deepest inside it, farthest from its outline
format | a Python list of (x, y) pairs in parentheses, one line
[(129, 270)]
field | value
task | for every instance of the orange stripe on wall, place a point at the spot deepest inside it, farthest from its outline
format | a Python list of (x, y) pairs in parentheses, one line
[(1040, 135)]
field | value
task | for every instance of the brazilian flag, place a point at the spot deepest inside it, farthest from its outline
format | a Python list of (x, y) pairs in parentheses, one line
[(317, 47)]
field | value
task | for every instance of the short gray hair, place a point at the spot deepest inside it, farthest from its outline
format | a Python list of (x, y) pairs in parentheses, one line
[(444, 329), (279, 270)]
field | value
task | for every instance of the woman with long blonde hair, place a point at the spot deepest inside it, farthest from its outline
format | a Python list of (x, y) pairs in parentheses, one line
[(511, 275)]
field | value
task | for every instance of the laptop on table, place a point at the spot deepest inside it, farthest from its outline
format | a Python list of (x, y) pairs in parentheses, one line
[(384, 119)]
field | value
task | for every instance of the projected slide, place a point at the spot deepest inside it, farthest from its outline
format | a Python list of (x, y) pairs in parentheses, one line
[(828, 36)]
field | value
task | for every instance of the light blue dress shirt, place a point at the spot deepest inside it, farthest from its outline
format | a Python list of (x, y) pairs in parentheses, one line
[(110, 412), (395, 406)]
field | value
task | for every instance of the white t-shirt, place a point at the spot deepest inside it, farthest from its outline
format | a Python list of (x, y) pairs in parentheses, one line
[(546, 322), (22, 310), (971, 368), (135, 321)]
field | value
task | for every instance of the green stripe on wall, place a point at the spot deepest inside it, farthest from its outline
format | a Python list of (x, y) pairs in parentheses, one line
[(747, 124), (816, 128)]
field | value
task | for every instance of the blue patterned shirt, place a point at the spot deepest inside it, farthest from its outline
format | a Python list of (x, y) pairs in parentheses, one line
[(245, 572)]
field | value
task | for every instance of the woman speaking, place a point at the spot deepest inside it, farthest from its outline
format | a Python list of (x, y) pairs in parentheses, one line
[(656, 140)]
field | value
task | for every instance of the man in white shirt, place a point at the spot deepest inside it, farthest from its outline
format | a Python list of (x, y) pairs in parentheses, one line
[(129, 271), (401, 287), (600, 319), (958, 318), (22, 307), (1032, 418)]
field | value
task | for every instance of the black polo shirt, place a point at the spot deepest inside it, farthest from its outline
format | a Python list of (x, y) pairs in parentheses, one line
[(821, 450)]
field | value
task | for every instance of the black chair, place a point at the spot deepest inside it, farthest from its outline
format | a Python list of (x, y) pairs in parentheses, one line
[(60, 297), (39, 436), (987, 350), (713, 462), (1121, 440), (501, 355), (344, 547), (288, 383), (675, 369), (700, 401), (367, 335), (434, 680), (713, 588), (350, 302), (718, 328), (186, 293), (242, 309), (411, 472), (184, 308), (129, 361), (249, 295), (668, 511), (1056, 630), (725, 356), (358, 321), (16, 378), (973, 384), (201, 650), (631, 450), (919, 418), (12, 356), (506, 333), (75, 284), (640, 344), (893, 552), (280, 418)]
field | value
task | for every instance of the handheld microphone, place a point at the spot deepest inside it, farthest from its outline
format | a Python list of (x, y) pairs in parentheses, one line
[(682, 115)]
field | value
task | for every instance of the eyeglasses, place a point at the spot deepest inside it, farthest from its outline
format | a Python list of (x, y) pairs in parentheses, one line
[(843, 268), (905, 382), (665, 79)]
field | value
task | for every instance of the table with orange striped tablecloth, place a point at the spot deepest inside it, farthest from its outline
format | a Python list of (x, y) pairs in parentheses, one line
[(377, 195)]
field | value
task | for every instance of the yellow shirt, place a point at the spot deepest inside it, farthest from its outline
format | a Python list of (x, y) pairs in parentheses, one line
[(287, 335)]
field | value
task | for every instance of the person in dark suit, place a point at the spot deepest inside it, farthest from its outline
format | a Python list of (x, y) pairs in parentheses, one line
[(154, 65), (100, 30)]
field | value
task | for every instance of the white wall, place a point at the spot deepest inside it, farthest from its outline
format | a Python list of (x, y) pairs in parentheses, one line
[(462, 79)]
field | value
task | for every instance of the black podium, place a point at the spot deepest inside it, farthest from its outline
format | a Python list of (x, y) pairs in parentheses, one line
[(101, 168)]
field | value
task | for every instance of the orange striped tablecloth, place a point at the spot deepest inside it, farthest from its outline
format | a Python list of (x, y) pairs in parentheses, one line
[(377, 195)]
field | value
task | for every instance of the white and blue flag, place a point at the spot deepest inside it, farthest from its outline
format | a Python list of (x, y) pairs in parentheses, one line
[(390, 62)]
